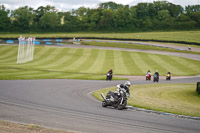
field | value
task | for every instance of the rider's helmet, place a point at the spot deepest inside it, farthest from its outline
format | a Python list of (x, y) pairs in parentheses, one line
[(148, 70), (127, 83), (156, 70)]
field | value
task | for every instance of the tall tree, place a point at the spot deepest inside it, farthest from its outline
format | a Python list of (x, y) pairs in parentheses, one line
[(23, 18), (40, 11), (106, 21), (95, 19), (110, 5), (4, 19), (192, 8), (121, 19), (49, 21), (196, 17)]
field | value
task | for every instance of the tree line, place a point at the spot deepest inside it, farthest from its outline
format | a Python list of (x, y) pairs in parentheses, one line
[(107, 17)]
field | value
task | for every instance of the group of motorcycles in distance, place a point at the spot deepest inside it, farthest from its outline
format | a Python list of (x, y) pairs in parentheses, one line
[(156, 76)]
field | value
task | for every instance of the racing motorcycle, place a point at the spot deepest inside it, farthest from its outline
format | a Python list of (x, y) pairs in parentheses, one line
[(109, 76), (117, 101), (148, 76), (156, 78), (168, 76)]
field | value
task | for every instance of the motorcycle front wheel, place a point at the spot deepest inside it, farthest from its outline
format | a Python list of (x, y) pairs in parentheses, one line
[(122, 106), (104, 104)]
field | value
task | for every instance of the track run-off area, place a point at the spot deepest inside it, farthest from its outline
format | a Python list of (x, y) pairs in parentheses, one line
[(68, 104)]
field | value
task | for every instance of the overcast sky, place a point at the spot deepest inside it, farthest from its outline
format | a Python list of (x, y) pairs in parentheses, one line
[(68, 5)]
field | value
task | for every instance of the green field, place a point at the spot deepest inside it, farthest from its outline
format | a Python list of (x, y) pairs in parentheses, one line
[(72, 63), (172, 98), (186, 36)]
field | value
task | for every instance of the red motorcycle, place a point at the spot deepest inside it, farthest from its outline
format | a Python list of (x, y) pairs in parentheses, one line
[(148, 76)]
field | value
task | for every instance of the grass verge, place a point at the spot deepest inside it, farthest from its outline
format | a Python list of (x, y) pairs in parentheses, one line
[(135, 46), (11, 127), (172, 98), (184, 36)]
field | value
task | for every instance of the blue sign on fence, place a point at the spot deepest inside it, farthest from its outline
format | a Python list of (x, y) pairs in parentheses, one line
[(37, 42), (46, 40), (9, 41), (58, 40), (49, 43)]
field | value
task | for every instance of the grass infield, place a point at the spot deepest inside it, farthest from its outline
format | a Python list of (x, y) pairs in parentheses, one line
[(172, 98), (74, 63), (135, 46)]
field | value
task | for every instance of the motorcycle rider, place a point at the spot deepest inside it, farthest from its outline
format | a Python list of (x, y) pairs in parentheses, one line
[(118, 98), (111, 73), (125, 86), (169, 72), (149, 73), (168, 75), (156, 73)]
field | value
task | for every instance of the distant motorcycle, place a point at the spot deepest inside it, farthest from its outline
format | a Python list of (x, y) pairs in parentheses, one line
[(109, 76), (168, 76), (148, 76), (156, 78), (119, 101)]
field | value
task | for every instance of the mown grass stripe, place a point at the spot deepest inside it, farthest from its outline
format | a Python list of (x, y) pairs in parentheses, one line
[(4, 49), (120, 66), (13, 60), (73, 59), (50, 57), (89, 61), (98, 64), (130, 63), (187, 65), (140, 63), (155, 64), (75, 66), (41, 75), (108, 62), (40, 57), (20, 72), (10, 59), (9, 53), (60, 58), (38, 51), (168, 64), (64, 60)]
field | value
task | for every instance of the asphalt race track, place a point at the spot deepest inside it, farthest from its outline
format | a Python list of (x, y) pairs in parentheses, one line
[(68, 104)]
